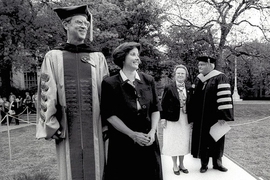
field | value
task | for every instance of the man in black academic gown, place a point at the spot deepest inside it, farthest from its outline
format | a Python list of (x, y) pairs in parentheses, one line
[(211, 103), (69, 91)]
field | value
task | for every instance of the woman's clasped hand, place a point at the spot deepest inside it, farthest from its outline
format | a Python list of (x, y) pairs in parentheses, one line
[(143, 139)]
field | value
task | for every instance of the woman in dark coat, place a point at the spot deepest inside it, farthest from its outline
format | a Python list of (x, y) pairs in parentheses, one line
[(174, 119), (130, 106)]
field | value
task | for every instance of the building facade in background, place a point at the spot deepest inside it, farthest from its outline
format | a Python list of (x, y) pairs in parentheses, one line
[(23, 80)]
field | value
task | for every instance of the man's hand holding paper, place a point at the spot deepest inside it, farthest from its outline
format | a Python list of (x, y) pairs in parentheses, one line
[(219, 129)]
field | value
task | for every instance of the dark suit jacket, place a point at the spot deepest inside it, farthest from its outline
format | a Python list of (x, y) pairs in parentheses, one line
[(170, 102), (119, 98)]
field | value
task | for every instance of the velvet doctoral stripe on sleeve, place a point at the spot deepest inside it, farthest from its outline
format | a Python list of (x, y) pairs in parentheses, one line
[(224, 99)]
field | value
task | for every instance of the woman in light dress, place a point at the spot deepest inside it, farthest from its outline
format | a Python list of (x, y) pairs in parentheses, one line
[(174, 119)]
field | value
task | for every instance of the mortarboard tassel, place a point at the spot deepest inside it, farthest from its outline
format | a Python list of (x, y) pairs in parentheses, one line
[(91, 28), (91, 24)]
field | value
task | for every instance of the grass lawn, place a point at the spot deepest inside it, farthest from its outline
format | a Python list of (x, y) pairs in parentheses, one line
[(248, 144), (35, 159), (30, 157)]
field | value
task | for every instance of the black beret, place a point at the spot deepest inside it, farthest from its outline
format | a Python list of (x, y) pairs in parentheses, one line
[(65, 12), (206, 59), (119, 54)]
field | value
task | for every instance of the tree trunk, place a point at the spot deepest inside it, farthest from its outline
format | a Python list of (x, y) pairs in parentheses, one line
[(219, 62)]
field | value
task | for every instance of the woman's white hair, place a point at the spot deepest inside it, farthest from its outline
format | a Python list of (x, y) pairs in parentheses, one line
[(180, 66)]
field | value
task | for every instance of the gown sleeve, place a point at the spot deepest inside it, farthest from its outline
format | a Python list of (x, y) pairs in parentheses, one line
[(47, 123), (103, 71), (224, 99)]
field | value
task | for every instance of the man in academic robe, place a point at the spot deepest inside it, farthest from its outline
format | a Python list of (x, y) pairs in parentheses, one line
[(68, 107), (211, 103)]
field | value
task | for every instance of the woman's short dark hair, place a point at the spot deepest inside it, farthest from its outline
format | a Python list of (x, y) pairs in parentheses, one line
[(120, 53)]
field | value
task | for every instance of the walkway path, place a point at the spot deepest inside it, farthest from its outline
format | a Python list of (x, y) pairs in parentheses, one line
[(235, 172)]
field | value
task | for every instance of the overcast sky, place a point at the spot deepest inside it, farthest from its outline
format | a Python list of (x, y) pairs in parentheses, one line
[(200, 14)]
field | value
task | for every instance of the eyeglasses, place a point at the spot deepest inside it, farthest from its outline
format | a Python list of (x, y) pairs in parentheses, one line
[(81, 23)]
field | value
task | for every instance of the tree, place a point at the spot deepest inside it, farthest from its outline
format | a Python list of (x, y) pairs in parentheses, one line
[(218, 20), (133, 20), (13, 20), (182, 49), (25, 35), (259, 67), (253, 71)]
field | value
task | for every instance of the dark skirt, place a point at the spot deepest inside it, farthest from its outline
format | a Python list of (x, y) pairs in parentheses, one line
[(128, 160)]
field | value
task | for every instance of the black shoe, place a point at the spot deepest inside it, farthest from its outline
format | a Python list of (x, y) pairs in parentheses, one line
[(184, 170), (203, 169), (176, 172), (220, 168)]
